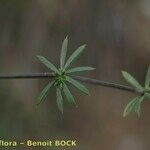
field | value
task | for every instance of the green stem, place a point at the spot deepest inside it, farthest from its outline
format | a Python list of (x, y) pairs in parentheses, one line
[(82, 79)]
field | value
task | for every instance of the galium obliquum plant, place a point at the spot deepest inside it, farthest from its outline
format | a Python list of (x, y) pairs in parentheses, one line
[(135, 104), (61, 76)]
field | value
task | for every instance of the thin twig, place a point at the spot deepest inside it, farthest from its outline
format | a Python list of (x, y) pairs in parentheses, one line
[(108, 84), (82, 79), (25, 75)]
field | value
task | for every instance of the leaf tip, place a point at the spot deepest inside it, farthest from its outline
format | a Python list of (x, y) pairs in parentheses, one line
[(89, 94), (84, 45), (39, 57), (38, 103), (92, 68), (66, 37), (124, 114), (138, 114), (123, 72)]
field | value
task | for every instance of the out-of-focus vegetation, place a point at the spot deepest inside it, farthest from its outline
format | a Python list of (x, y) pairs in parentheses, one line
[(117, 36)]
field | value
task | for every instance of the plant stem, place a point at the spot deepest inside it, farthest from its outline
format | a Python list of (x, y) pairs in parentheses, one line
[(79, 78), (25, 75), (108, 84)]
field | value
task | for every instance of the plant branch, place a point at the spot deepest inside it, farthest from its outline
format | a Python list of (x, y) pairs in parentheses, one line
[(25, 75), (108, 84), (82, 79)]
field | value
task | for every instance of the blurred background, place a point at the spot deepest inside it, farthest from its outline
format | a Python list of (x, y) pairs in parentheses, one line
[(117, 35)]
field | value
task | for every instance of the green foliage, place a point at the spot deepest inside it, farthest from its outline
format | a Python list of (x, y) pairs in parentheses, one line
[(131, 80), (63, 52), (68, 94), (61, 79), (74, 56), (59, 99), (135, 104), (147, 81), (44, 93), (61, 76), (48, 64), (78, 85), (79, 69)]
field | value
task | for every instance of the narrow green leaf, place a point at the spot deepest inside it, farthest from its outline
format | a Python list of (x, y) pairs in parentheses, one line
[(130, 106), (147, 95), (63, 52), (47, 63), (44, 93), (59, 99), (78, 85), (74, 56), (68, 94), (80, 69), (147, 80), (138, 106), (131, 80)]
